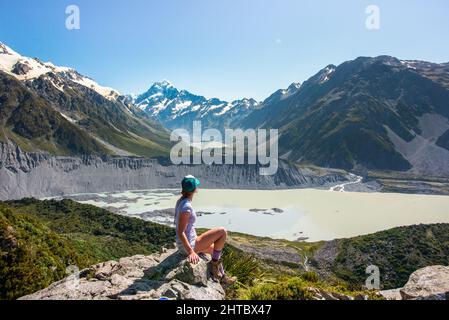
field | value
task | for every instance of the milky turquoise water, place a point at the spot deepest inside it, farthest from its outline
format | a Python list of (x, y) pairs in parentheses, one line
[(303, 214)]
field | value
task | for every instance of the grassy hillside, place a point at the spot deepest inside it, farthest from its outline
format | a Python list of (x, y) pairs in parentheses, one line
[(114, 122), (342, 263), (397, 252), (39, 239), (32, 256), (33, 124)]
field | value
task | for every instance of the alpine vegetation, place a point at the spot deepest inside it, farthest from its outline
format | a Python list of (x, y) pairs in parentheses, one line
[(209, 148)]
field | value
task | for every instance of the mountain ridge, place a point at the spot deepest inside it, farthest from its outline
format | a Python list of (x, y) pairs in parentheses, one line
[(338, 117)]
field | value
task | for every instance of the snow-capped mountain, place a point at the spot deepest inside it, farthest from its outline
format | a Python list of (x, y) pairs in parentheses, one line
[(44, 107), (25, 68), (178, 108)]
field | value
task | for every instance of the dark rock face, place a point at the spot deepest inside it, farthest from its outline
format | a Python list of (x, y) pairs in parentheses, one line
[(40, 175), (3, 49), (21, 68), (140, 277)]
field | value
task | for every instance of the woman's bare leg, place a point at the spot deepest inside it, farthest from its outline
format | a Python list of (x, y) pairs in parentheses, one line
[(209, 250), (214, 239)]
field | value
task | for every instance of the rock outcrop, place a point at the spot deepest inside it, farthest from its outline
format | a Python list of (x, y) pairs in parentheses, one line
[(430, 283), (165, 275), (41, 175)]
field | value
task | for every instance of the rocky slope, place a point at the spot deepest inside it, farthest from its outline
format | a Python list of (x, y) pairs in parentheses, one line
[(167, 275), (140, 277), (40, 175)]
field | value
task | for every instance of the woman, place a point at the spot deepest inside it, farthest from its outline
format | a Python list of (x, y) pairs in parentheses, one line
[(211, 242)]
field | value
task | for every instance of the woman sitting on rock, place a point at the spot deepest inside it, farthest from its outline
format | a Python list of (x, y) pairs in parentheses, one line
[(211, 242)]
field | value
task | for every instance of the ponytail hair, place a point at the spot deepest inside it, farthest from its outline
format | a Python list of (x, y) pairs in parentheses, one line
[(186, 194)]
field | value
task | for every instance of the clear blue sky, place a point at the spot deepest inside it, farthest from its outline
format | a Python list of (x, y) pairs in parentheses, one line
[(227, 49)]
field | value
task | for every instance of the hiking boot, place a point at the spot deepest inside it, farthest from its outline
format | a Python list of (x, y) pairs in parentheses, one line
[(215, 270), (227, 281), (219, 274)]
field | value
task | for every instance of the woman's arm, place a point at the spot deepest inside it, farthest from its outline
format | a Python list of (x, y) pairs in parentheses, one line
[(182, 224)]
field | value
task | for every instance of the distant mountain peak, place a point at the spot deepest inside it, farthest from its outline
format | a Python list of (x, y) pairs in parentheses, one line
[(293, 88), (178, 107), (247, 100), (325, 74), (283, 94), (295, 85), (161, 87), (163, 84)]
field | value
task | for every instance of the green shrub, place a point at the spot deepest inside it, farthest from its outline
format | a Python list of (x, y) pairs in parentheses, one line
[(292, 289), (397, 252), (39, 239), (310, 276), (246, 267)]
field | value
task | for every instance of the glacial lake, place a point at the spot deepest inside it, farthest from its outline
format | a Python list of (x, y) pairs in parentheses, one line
[(304, 214)]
